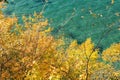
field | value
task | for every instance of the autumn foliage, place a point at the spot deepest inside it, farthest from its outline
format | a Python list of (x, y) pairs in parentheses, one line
[(30, 52)]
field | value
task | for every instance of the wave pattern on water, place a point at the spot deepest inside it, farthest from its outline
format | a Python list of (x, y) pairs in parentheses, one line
[(90, 19)]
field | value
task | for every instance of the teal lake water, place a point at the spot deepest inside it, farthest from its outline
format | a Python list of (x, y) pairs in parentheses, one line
[(77, 19)]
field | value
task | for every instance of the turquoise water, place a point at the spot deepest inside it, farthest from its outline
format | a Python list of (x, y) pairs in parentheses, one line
[(77, 19)]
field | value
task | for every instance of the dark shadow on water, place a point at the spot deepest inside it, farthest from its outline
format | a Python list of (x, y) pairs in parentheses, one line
[(42, 1)]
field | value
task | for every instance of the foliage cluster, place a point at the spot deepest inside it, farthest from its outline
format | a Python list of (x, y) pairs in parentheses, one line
[(34, 54)]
